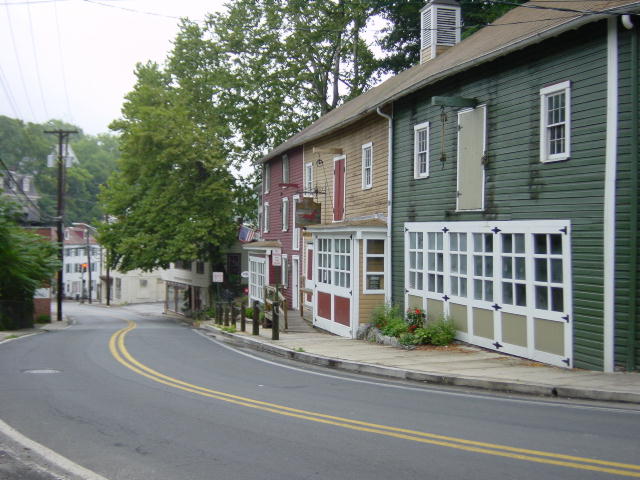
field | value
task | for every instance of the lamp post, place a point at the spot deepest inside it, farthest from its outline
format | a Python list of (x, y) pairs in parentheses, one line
[(88, 247)]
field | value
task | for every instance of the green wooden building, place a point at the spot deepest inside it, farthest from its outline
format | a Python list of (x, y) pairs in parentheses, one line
[(515, 181)]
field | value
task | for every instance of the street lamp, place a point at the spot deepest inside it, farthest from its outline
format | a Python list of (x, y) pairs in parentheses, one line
[(88, 227)]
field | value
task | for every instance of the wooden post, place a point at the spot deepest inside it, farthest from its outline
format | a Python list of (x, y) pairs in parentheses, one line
[(226, 316), (256, 318), (275, 323), (243, 320), (218, 313)]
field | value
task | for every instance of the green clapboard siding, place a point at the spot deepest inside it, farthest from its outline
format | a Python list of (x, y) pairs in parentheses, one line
[(518, 186)]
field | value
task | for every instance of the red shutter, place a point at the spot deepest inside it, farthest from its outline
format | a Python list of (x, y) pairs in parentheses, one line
[(338, 190)]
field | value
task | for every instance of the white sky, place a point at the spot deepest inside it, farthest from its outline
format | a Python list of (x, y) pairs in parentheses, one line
[(74, 59)]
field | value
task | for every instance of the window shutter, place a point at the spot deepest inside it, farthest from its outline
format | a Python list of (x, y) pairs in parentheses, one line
[(446, 32)]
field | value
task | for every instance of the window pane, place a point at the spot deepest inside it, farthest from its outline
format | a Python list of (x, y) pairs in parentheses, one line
[(541, 269), (477, 263), (540, 242), (375, 247), (432, 283), (557, 302), (431, 261), (440, 259), (507, 293), (519, 243), (556, 244), (507, 243), (477, 289), (463, 242), (507, 267), (488, 244), (454, 241), (542, 302), (440, 280), (488, 290), (521, 295), (463, 264), (520, 268), (488, 266), (463, 287), (454, 263), (477, 242), (556, 270)]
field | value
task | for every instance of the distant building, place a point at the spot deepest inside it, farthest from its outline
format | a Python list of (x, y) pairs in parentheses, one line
[(20, 188), (78, 267)]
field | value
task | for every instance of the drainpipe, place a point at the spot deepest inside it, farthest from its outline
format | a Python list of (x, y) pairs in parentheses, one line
[(387, 257), (633, 223)]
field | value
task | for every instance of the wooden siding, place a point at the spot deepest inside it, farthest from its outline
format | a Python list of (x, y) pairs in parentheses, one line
[(358, 202), (625, 298), (274, 197), (518, 186)]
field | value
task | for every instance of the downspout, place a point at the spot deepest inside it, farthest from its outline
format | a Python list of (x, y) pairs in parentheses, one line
[(388, 251), (610, 171), (633, 188)]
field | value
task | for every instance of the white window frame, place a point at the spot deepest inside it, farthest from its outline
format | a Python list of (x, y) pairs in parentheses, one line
[(308, 179), (257, 278), (265, 216), (285, 168), (266, 181), (416, 150), (295, 238), (545, 93), (284, 269), (366, 273), (284, 210), (367, 170)]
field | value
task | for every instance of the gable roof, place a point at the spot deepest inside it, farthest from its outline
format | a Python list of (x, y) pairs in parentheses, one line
[(526, 25)]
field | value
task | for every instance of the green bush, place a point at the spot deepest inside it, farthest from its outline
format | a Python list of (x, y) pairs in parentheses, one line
[(385, 314), (408, 338), (422, 336), (43, 318), (248, 312), (441, 332), (395, 327)]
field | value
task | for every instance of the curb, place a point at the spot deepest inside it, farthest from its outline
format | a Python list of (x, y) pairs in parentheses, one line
[(558, 391)]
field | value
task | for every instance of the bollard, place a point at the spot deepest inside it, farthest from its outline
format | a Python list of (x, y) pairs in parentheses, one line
[(227, 314), (233, 315), (275, 326), (218, 313), (256, 318), (243, 320)]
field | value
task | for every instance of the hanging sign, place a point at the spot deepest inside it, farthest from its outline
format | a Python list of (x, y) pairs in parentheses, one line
[(217, 277), (276, 259), (308, 212)]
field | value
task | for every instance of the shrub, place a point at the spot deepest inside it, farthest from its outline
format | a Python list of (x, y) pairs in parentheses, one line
[(43, 318), (422, 336), (408, 339), (248, 312), (385, 314), (415, 318), (441, 332)]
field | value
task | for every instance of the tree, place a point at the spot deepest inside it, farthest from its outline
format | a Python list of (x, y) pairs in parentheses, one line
[(172, 195), (268, 68), (28, 261), (401, 39)]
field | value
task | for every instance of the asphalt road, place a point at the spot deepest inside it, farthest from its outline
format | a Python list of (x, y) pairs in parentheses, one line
[(132, 396)]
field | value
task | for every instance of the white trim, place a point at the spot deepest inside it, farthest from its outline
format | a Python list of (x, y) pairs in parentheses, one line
[(484, 149), (545, 156), (295, 238), (253, 285), (266, 181), (416, 163), (284, 213), (365, 256), (308, 179), (284, 271), (610, 196), (286, 173), (265, 215), (295, 282), (369, 185)]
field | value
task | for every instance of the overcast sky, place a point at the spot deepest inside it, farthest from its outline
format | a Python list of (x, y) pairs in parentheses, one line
[(74, 59)]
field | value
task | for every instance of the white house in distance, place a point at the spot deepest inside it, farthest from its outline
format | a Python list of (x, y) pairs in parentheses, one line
[(135, 286), (77, 264), (186, 286)]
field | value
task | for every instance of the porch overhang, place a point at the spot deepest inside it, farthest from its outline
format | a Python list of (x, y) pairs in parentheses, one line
[(264, 247), (375, 225)]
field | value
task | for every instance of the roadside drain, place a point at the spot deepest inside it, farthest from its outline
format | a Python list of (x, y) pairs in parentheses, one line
[(41, 371)]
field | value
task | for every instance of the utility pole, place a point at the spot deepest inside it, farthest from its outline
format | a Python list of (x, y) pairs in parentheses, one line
[(63, 137)]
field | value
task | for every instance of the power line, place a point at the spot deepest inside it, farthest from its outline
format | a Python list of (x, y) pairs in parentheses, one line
[(62, 69), (21, 191), (7, 91), (37, 63)]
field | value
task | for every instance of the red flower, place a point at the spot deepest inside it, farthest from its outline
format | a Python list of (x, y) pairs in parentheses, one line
[(418, 311)]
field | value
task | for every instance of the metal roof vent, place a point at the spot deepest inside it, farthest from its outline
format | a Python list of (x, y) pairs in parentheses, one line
[(440, 22)]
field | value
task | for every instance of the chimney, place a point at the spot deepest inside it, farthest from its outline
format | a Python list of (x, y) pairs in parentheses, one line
[(440, 28)]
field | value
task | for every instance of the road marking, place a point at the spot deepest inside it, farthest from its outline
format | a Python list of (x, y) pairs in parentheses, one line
[(122, 355)]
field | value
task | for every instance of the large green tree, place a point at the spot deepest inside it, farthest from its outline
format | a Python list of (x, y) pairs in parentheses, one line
[(171, 197), (24, 148), (28, 261)]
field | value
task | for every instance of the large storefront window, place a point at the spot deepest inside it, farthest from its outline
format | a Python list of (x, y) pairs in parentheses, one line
[(334, 262)]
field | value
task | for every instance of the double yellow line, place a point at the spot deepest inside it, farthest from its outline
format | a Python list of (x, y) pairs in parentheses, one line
[(122, 355)]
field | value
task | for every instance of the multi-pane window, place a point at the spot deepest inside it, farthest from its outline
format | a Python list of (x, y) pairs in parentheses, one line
[(416, 256), (342, 262), (367, 166), (548, 268), (435, 262), (284, 210), (285, 169), (324, 260), (200, 267), (308, 179), (555, 122), (514, 269), (256, 278), (421, 150), (483, 266), (458, 261), (374, 265)]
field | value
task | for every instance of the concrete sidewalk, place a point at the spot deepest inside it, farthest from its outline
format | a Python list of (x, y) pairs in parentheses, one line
[(458, 364), (38, 328)]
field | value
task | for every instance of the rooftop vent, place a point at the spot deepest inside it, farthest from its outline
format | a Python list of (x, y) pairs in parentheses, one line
[(440, 28)]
